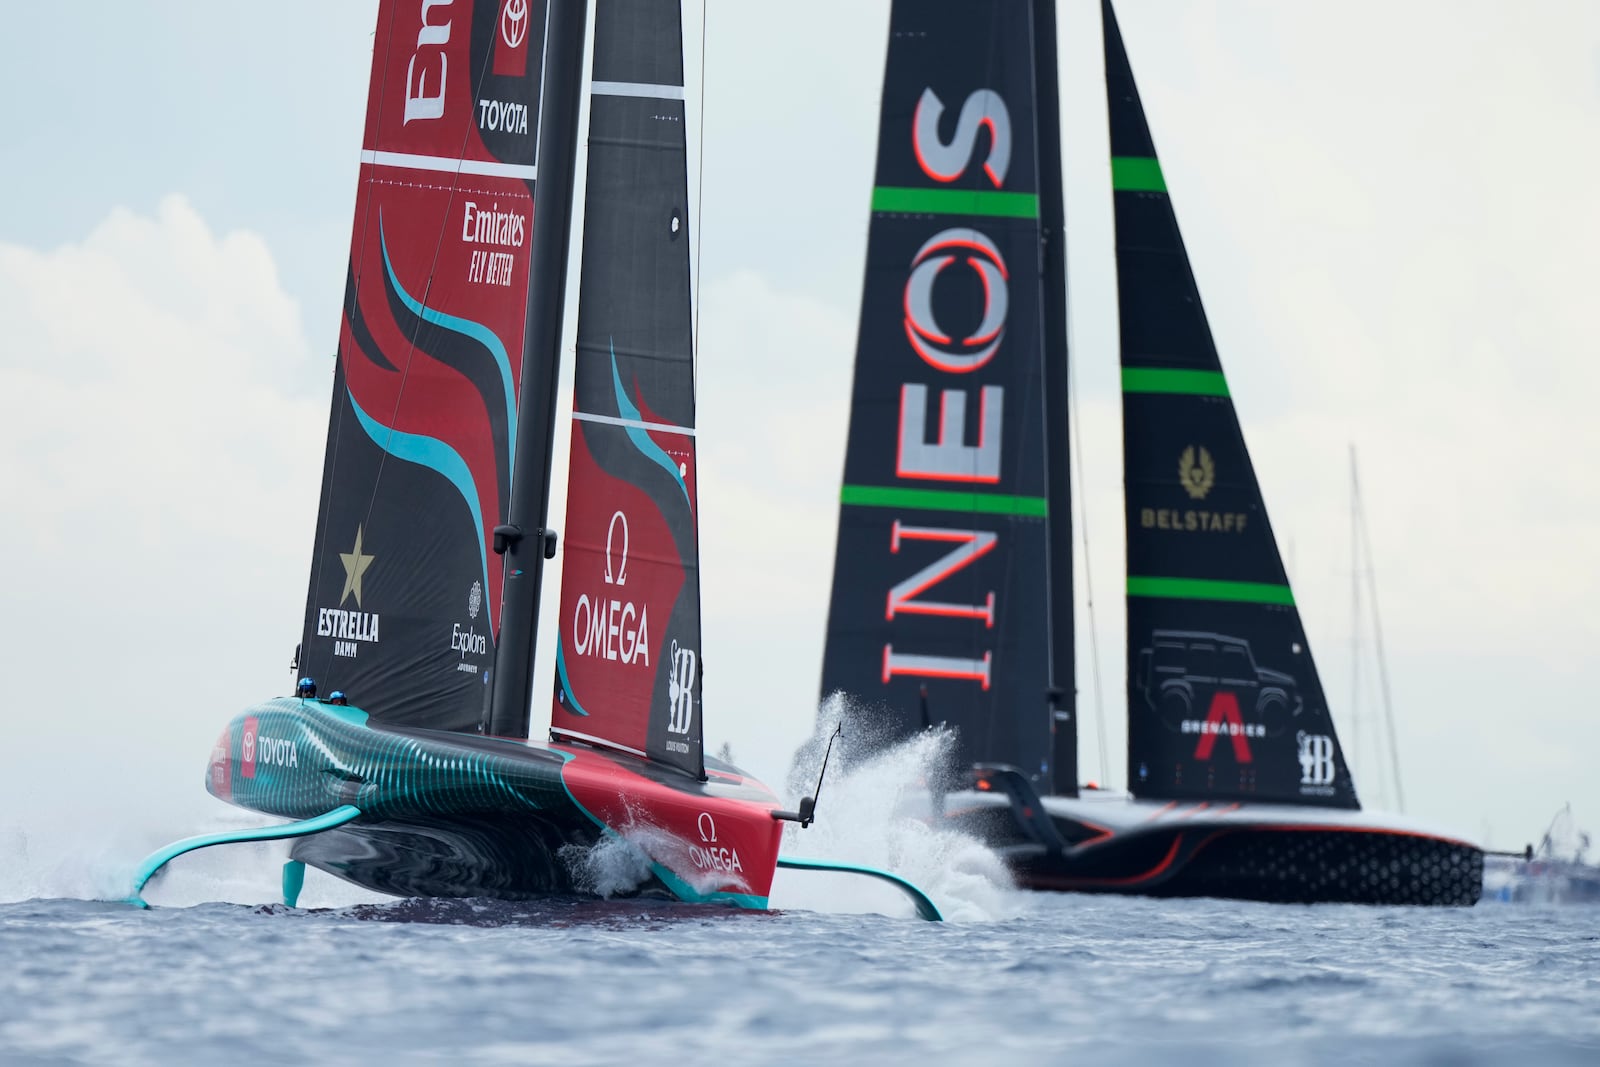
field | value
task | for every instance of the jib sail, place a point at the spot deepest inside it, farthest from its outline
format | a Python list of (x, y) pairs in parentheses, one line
[(940, 601), (628, 651), (1224, 702), (404, 591)]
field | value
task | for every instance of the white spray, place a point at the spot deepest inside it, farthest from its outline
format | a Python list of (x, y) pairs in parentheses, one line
[(872, 811)]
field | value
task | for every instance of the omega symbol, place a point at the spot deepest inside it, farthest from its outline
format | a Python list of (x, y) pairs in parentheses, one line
[(922, 327), (708, 828), (621, 574)]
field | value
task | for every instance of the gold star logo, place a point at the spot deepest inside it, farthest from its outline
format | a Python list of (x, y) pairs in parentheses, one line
[(355, 565)]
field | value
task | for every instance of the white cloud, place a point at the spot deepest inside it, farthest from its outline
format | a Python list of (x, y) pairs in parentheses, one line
[(158, 454)]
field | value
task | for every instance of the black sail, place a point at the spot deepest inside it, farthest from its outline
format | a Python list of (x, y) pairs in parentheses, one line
[(940, 599), (628, 652), (404, 591), (1224, 702)]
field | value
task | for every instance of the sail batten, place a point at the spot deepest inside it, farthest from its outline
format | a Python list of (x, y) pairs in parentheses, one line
[(1224, 701)]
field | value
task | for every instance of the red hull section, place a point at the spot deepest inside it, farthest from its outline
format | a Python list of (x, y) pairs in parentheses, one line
[(712, 840)]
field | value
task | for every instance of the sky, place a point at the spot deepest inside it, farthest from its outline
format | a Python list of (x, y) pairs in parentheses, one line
[(1390, 209)]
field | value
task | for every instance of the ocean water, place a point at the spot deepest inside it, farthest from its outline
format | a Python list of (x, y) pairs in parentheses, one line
[(839, 972)]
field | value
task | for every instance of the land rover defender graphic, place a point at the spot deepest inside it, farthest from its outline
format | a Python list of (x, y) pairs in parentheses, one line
[(1183, 669)]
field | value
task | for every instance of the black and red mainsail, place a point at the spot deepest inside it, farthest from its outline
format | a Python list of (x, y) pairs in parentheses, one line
[(941, 608), (404, 591), (628, 648), (1224, 702)]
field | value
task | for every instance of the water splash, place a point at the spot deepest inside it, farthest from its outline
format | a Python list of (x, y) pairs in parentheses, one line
[(873, 810), (77, 859), (611, 867)]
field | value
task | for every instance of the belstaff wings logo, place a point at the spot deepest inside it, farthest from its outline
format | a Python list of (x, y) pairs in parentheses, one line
[(922, 327), (1198, 475)]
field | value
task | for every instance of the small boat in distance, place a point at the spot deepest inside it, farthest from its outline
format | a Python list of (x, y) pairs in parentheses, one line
[(952, 594), (1557, 872), (431, 535)]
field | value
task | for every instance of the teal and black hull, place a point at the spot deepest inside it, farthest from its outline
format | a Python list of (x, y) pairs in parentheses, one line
[(457, 815)]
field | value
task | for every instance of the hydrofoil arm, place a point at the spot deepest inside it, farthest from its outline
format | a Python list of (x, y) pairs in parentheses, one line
[(926, 908), (161, 857)]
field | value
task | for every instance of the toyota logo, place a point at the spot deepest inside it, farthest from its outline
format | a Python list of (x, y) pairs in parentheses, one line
[(514, 22)]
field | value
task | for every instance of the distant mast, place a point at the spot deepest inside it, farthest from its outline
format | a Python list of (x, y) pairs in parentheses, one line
[(628, 668), (1063, 696), (1224, 701), (523, 538), (404, 588), (940, 572)]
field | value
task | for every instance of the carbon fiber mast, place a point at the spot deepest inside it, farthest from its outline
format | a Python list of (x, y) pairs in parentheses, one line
[(1063, 777), (523, 539)]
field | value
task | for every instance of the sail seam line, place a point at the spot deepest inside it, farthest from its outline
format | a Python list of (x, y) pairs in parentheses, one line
[(560, 733), (943, 500), (1137, 174), (635, 424), (484, 168), (913, 201), (1170, 380), (1210, 589), (639, 89)]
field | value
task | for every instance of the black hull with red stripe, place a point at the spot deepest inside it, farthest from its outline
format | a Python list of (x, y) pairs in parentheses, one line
[(1112, 843)]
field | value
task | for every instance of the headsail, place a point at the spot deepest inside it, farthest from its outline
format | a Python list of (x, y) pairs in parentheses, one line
[(1224, 702), (404, 586), (628, 649), (940, 574)]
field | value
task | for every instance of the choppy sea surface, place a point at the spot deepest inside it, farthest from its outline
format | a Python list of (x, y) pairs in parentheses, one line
[(840, 972)]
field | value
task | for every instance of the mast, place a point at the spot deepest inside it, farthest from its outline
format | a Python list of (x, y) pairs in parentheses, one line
[(523, 541), (1355, 609), (1058, 469), (1360, 513)]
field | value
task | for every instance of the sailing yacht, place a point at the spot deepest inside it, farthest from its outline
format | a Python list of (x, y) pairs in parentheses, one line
[(952, 588), (432, 533)]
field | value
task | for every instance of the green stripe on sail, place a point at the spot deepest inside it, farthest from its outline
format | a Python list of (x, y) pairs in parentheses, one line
[(1161, 380), (873, 496), (1137, 174), (1207, 589), (955, 202)]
